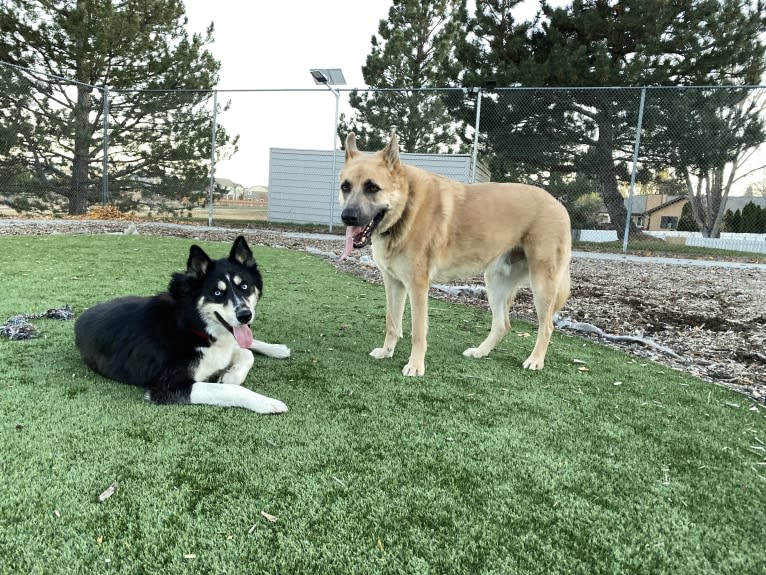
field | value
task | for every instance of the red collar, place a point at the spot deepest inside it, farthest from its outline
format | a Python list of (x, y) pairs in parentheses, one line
[(200, 334)]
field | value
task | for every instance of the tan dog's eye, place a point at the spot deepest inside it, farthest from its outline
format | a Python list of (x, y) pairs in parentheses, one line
[(371, 187), (345, 187)]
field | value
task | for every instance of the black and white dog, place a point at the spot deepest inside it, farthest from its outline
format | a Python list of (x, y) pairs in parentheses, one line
[(190, 344)]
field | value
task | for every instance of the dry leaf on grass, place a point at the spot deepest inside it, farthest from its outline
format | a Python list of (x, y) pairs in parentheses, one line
[(268, 517), (111, 490)]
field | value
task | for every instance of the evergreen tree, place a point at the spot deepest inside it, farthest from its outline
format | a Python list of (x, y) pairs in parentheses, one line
[(594, 44), (753, 219), (686, 222), (708, 135), (414, 49), (733, 221), (159, 142)]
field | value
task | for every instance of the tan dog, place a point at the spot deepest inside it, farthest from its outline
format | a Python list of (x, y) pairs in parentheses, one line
[(427, 228)]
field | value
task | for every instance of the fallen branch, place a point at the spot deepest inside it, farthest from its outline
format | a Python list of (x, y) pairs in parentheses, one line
[(597, 331)]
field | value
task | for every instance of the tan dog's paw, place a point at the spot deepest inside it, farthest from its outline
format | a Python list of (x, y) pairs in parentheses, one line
[(474, 352), (413, 370), (533, 363), (381, 353)]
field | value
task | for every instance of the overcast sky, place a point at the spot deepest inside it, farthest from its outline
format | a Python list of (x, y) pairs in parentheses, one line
[(265, 45)]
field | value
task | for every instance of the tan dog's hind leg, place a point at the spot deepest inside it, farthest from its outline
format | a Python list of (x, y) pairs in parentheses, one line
[(395, 299), (549, 289), (418, 292), (502, 283)]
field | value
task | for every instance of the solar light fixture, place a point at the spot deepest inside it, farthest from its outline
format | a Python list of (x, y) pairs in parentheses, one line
[(328, 76)]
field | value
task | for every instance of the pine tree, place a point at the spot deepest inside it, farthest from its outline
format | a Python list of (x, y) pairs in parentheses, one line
[(753, 219), (159, 142), (733, 221), (594, 44), (414, 49), (686, 222)]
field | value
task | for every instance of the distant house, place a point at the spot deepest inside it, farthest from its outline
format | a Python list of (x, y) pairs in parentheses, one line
[(661, 212), (663, 216), (259, 193)]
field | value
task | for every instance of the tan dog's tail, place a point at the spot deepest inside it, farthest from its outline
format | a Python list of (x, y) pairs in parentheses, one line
[(562, 294)]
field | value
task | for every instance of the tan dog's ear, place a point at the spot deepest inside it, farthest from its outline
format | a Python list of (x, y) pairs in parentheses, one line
[(351, 150), (391, 153)]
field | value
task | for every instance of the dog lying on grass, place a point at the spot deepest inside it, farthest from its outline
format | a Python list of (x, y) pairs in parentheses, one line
[(191, 344)]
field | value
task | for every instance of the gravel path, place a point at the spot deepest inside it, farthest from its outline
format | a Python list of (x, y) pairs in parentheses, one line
[(712, 315)]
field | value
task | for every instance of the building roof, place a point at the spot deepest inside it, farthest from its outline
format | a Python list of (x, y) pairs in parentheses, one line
[(670, 202)]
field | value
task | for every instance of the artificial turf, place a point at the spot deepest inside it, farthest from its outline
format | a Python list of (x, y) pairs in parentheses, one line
[(477, 467)]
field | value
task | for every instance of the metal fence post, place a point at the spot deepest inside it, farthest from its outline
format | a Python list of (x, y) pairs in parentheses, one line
[(333, 183), (105, 174), (633, 171), (476, 136), (212, 160)]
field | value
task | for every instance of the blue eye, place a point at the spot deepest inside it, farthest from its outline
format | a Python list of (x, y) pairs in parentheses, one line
[(243, 287), (217, 293)]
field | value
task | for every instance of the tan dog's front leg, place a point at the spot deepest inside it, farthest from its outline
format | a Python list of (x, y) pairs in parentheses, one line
[(419, 310), (395, 297)]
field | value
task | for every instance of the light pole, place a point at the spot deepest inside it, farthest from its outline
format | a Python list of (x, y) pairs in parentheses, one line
[(331, 77)]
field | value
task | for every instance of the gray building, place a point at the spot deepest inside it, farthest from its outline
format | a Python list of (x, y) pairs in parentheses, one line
[(303, 189)]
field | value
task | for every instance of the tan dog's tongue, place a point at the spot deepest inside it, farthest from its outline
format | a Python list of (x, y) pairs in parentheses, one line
[(244, 336), (350, 231)]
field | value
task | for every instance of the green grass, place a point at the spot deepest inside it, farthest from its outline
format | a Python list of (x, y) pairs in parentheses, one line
[(478, 467)]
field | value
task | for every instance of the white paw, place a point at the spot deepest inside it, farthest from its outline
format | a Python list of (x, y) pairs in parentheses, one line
[(381, 353), (274, 350), (532, 363), (474, 352), (270, 406), (413, 370), (279, 351)]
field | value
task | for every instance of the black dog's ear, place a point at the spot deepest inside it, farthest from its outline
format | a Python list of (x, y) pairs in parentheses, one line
[(198, 262), (241, 253)]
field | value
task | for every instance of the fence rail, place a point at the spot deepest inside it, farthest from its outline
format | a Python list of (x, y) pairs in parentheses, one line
[(621, 159)]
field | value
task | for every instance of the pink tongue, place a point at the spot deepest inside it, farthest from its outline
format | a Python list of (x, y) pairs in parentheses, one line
[(244, 336), (350, 231)]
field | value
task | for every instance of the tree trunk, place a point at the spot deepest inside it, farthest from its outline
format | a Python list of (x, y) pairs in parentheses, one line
[(607, 176), (708, 201), (78, 189)]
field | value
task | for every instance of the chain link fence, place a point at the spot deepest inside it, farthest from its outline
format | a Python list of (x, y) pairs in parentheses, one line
[(679, 163)]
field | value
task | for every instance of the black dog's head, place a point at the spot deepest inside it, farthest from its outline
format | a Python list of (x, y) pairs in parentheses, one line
[(223, 293)]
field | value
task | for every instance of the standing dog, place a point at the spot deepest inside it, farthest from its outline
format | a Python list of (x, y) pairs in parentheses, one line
[(190, 344), (425, 227)]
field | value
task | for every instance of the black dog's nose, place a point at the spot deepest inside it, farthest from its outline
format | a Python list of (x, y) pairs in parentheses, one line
[(244, 315), (350, 216)]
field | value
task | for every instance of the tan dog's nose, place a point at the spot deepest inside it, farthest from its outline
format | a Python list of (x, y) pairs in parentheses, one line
[(350, 216)]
